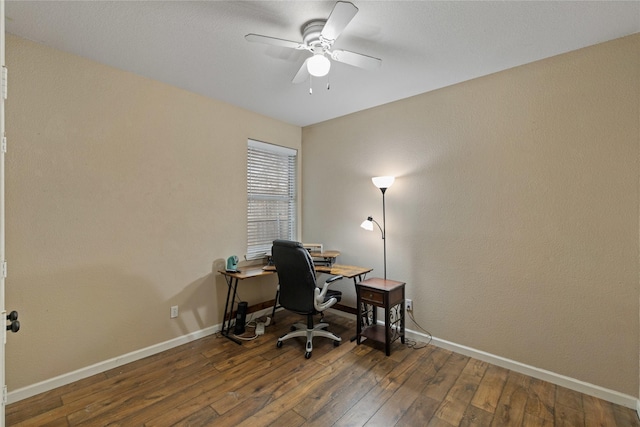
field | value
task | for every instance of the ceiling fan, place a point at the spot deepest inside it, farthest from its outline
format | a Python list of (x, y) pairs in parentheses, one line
[(318, 37)]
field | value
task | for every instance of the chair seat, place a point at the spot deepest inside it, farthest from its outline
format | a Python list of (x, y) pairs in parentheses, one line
[(333, 294)]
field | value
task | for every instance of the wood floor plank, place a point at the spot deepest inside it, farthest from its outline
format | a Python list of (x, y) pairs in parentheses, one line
[(459, 396), (131, 400), (598, 412), (420, 412), (569, 398), (439, 385), (626, 416), (60, 422), (340, 404), (349, 369), (476, 417), (202, 392), (213, 381), (399, 402), (40, 404), (541, 400), (289, 419), (511, 406), (204, 417), (364, 409), (266, 384), (530, 420), (249, 407), (566, 416), (403, 398), (297, 390), (490, 388)]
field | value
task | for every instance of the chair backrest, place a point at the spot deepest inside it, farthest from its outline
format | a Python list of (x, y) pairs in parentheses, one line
[(296, 275)]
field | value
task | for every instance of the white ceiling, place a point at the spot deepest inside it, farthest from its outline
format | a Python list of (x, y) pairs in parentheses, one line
[(424, 45)]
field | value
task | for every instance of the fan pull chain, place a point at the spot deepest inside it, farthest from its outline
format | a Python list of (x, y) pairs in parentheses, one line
[(328, 83), (310, 87)]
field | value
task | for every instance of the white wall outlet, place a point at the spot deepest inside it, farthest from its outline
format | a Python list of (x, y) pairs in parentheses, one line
[(408, 305), (174, 311)]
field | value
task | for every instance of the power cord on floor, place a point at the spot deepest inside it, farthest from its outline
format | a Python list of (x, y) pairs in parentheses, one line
[(251, 324), (416, 345)]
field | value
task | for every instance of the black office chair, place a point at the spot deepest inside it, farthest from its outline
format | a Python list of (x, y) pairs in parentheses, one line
[(300, 294)]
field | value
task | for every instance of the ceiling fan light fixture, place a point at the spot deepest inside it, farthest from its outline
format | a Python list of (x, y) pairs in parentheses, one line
[(318, 65)]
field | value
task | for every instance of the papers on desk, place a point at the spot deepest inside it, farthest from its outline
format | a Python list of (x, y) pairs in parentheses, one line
[(313, 247)]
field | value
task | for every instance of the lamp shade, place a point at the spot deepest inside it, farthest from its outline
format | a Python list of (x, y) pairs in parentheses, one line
[(367, 224), (318, 65), (383, 181)]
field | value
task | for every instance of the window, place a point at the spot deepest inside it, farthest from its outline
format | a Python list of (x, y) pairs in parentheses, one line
[(271, 196)]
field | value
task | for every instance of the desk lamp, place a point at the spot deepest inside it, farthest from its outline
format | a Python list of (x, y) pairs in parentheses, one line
[(382, 182)]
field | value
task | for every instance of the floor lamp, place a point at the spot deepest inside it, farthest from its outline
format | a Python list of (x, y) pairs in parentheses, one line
[(382, 182)]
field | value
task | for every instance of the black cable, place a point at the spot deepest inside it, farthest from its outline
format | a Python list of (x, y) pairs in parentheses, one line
[(415, 344)]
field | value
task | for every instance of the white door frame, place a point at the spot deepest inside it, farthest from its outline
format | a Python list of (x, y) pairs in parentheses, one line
[(3, 311)]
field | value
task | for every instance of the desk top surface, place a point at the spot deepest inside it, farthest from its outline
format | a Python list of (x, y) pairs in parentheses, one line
[(348, 271), (324, 254), (247, 272), (381, 284), (328, 254)]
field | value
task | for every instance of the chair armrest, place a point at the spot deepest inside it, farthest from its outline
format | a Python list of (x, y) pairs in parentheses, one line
[(319, 303)]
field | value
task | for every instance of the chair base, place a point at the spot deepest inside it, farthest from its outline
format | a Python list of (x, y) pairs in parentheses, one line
[(302, 330)]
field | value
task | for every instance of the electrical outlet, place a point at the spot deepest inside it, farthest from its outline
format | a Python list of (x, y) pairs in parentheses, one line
[(174, 311), (408, 305)]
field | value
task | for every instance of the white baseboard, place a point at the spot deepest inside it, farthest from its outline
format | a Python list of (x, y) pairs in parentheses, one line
[(552, 377), (68, 378), (570, 383)]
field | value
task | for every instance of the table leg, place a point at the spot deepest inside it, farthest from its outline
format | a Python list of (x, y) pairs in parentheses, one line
[(403, 317), (359, 320), (387, 328), (228, 308), (356, 279)]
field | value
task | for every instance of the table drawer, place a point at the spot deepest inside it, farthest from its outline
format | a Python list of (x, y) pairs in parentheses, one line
[(372, 296)]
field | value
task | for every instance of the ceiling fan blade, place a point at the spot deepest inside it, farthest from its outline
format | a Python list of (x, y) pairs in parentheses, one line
[(302, 74), (342, 13), (356, 59), (257, 38)]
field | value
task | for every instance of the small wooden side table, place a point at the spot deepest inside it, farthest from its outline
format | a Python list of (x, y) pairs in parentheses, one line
[(389, 295)]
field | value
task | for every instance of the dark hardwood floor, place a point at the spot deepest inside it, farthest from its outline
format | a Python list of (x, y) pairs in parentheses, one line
[(215, 382)]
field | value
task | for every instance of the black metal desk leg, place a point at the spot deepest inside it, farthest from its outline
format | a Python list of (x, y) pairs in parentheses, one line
[(228, 308)]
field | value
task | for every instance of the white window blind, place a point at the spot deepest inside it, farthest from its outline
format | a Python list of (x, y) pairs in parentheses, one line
[(271, 194)]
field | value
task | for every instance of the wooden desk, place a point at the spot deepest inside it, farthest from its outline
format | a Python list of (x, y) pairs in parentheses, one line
[(349, 271), (232, 279), (388, 294)]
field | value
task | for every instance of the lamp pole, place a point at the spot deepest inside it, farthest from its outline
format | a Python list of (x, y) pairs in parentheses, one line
[(384, 234)]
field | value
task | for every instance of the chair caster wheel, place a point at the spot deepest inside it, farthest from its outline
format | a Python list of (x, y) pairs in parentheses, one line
[(293, 328), (307, 355), (279, 344), (336, 343)]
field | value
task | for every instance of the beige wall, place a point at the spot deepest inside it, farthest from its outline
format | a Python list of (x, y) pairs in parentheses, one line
[(121, 194), (514, 218)]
